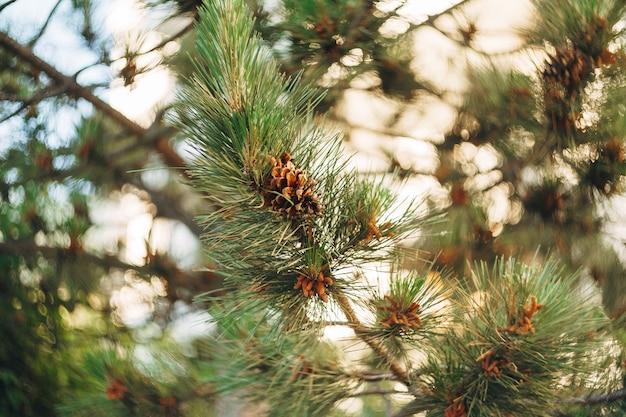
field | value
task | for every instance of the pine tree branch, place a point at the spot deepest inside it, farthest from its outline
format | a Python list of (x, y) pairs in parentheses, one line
[(154, 135), (75, 90), (414, 406), (374, 376), (46, 92), (28, 248), (411, 409), (174, 276), (186, 29), (375, 345)]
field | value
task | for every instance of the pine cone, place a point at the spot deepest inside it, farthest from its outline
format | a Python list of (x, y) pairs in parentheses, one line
[(290, 191), (563, 75), (566, 68)]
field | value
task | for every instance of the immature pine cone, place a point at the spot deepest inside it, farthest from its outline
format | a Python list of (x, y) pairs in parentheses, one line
[(289, 191)]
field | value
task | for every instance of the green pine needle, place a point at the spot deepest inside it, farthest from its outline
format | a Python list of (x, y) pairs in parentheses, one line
[(526, 334)]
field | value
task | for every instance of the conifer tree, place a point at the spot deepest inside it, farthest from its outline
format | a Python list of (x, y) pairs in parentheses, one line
[(504, 297)]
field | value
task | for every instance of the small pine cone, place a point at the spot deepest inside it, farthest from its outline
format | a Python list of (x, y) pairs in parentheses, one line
[(116, 389), (290, 191), (396, 316), (566, 68), (312, 283)]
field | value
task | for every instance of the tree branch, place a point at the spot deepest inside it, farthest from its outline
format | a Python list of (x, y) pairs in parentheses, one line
[(42, 94), (158, 265), (362, 333), (413, 407), (75, 90), (171, 38), (374, 376)]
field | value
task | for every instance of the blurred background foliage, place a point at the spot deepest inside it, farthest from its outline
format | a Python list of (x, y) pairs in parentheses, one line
[(510, 120)]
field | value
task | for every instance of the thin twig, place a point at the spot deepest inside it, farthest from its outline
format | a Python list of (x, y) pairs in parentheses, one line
[(410, 409), (167, 40), (161, 44), (374, 376), (464, 44), (42, 94), (8, 3), (431, 18), (33, 41)]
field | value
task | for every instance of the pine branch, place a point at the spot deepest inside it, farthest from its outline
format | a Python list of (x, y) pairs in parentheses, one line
[(410, 409), (166, 269), (251, 154), (28, 248), (153, 135), (382, 392), (374, 344), (46, 92), (72, 88), (417, 405)]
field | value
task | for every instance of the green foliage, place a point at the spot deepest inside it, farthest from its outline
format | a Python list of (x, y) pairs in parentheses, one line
[(410, 316), (515, 337), (523, 335), (240, 148), (298, 375), (153, 380), (335, 42), (29, 353), (306, 245), (589, 25), (555, 134)]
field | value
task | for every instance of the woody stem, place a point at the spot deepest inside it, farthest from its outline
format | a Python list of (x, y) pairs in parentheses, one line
[(361, 332)]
